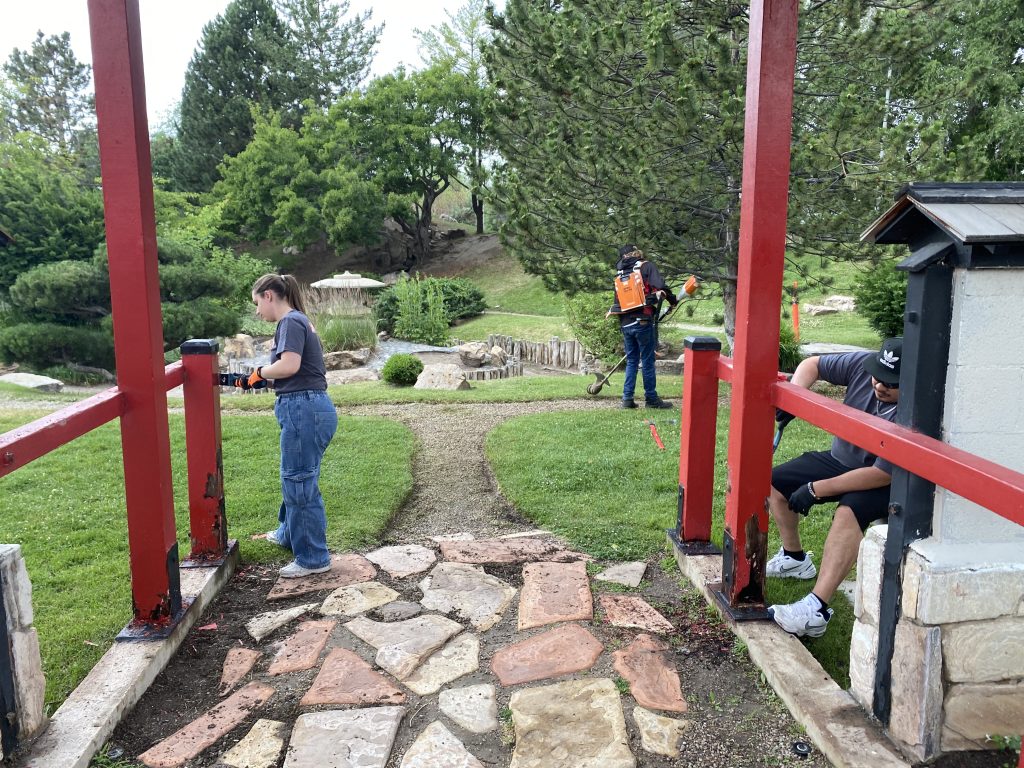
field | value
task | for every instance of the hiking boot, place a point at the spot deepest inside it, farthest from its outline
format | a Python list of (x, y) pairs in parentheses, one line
[(628, 404), (782, 566), (294, 571), (804, 618), (657, 403)]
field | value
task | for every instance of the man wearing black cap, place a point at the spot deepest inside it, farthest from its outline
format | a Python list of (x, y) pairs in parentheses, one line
[(640, 326), (858, 480)]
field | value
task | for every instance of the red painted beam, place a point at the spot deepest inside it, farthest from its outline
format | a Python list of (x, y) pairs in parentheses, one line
[(984, 482), (135, 299), (30, 441), (771, 63), (697, 442), (174, 375)]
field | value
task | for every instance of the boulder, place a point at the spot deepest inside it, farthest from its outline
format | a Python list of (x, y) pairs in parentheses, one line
[(240, 346), (841, 303), (351, 376), (474, 354), (442, 376), (813, 310), (346, 359), (32, 381), (498, 357)]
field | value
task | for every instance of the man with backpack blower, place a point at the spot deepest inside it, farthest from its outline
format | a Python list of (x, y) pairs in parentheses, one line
[(639, 292)]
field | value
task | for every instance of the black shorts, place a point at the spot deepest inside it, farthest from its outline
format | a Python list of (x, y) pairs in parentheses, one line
[(812, 466)]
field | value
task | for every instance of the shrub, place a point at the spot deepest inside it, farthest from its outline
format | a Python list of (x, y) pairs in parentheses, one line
[(402, 370), (338, 332), (461, 298), (881, 294), (789, 349), (40, 344), (421, 316), (598, 334)]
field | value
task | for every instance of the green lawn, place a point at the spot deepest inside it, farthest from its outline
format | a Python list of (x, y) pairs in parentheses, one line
[(66, 510), (508, 288), (599, 480)]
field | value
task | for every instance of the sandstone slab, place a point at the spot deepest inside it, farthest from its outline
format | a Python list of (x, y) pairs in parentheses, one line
[(357, 598), (558, 651), (403, 645), (474, 708), (465, 589), (974, 712), (183, 745), (265, 623), (978, 652), (498, 551), (626, 574), (345, 570), (577, 722), (345, 678), (653, 681), (301, 650), (554, 592), (659, 735), (353, 738), (396, 611), (458, 657), (437, 747), (402, 561), (259, 748), (237, 664), (633, 611)]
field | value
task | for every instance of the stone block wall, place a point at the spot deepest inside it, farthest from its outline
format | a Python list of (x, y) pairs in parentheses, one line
[(27, 670)]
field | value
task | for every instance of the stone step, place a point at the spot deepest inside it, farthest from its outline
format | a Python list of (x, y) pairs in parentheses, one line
[(353, 738), (633, 611), (560, 651), (345, 678), (302, 649), (345, 570), (402, 561), (653, 681), (403, 645), (465, 589), (437, 747), (554, 592), (237, 664)]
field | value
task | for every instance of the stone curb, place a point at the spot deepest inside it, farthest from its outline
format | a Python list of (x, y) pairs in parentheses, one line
[(89, 715), (834, 721)]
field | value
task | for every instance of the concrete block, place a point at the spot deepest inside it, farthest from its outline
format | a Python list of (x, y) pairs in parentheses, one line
[(984, 651), (17, 587), (29, 683), (863, 658), (999, 416), (868, 593), (974, 712), (916, 715), (936, 594)]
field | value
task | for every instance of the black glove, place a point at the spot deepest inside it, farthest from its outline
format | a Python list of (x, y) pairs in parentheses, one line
[(802, 499), (782, 418)]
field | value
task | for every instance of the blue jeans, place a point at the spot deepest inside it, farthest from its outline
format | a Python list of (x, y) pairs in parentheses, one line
[(308, 422), (641, 339)]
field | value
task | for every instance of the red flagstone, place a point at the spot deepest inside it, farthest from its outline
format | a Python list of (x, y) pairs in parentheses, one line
[(345, 570), (302, 649), (345, 678), (237, 664), (554, 592), (180, 747), (560, 651), (633, 611), (497, 551), (653, 681)]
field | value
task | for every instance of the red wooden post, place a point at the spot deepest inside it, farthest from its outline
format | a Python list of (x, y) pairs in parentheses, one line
[(770, 68), (697, 445), (208, 525), (135, 299)]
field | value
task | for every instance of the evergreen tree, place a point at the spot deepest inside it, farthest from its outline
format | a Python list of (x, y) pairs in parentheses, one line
[(47, 92)]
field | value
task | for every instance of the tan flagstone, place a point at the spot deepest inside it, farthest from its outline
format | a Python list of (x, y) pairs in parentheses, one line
[(459, 657), (357, 598), (404, 560), (554, 592), (302, 649), (576, 722), (345, 569), (399, 610), (626, 574), (476, 596), (403, 645), (344, 678), (497, 550), (633, 611), (659, 735), (437, 747), (474, 707), (259, 748), (559, 651), (237, 664), (186, 743), (351, 738), (265, 623), (653, 681)]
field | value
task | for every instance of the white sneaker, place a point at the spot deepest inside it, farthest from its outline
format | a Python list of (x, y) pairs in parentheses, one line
[(295, 571), (273, 538), (782, 566), (802, 618)]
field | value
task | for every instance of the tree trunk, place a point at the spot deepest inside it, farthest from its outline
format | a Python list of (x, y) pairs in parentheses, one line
[(478, 209), (729, 300)]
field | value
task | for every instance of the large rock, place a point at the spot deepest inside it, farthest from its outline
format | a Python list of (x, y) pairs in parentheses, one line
[(346, 359), (351, 376), (241, 346), (814, 310), (441, 376), (474, 354), (32, 381), (498, 356), (841, 303)]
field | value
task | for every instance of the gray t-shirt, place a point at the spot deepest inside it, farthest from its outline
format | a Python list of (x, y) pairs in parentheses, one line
[(847, 370), (295, 334)]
